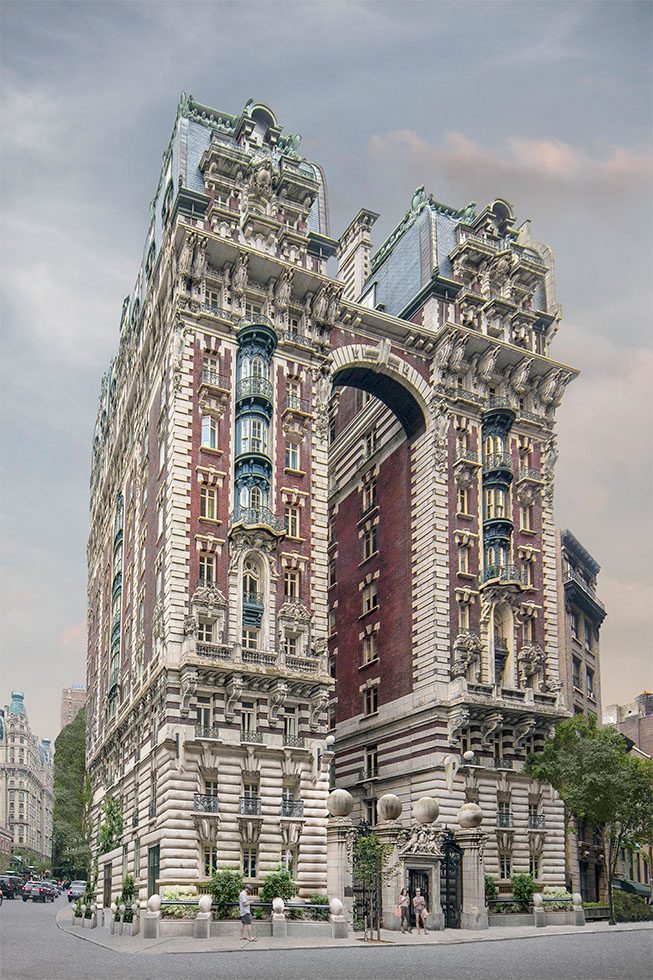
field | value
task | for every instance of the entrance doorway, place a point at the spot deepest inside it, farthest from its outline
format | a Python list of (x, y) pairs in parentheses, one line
[(451, 883), (418, 879)]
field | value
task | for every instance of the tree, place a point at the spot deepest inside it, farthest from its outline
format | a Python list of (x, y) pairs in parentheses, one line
[(112, 824), (599, 781), (70, 836), (371, 869)]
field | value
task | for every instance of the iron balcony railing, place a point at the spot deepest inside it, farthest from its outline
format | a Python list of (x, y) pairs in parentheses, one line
[(207, 731), (531, 416), (570, 575), (251, 736), (501, 763), (292, 808), (250, 806), (295, 404), (254, 388), (499, 401), (504, 820), (294, 741), (218, 311), (369, 772), (466, 455), (504, 573), (253, 598), (529, 473), (255, 516), (536, 821), (292, 337), (205, 803), (254, 319), (214, 379), (497, 461)]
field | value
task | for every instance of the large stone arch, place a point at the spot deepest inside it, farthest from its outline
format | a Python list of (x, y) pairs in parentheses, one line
[(389, 378)]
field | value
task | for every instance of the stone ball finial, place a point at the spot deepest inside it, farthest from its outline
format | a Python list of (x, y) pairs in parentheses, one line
[(205, 903), (388, 807), (537, 900), (468, 756), (340, 803), (470, 816), (277, 906), (426, 810), (330, 741), (335, 906), (154, 903), (577, 900)]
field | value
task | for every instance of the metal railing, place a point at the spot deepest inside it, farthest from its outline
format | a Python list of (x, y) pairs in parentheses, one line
[(253, 516), (205, 803), (217, 651), (504, 573), (250, 806), (219, 311), (253, 598), (207, 731), (504, 820), (251, 736), (497, 461), (531, 416), (214, 379), (292, 337), (254, 319), (466, 455), (369, 772), (294, 741), (296, 404), (528, 473), (536, 821), (253, 388), (499, 401), (292, 808), (572, 576), (501, 763)]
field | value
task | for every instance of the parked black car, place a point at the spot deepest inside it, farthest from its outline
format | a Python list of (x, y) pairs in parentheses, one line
[(9, 887)]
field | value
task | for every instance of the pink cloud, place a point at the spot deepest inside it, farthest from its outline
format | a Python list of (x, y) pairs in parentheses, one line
[(73, 636)]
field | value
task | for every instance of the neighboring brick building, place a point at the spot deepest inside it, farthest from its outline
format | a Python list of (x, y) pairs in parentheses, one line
[(73, 699), (634, 720), (270, 440)]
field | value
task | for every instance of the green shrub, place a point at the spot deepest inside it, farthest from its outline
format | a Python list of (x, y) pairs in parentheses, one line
[(78, 908), (490, 888), (178, 893), (225, 886), (553, 892), (278, 884), (317, 915), (630, 908), (523, 889)]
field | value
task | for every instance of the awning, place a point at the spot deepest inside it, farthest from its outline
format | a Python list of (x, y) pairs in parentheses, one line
[(634, 887)]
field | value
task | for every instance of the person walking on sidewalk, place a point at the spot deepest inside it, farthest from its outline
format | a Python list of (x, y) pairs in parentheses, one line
[(244, 907), (404, 909), (421, 911)]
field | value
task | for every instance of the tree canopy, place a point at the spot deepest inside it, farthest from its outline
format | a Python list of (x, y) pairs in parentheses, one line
[(71, 854), (598, 780)]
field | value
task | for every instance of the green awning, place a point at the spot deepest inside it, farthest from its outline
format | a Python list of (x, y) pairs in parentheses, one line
[(634, 887)]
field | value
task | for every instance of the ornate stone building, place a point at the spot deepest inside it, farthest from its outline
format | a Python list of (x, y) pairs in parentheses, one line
[(314, 493), (26, 789)]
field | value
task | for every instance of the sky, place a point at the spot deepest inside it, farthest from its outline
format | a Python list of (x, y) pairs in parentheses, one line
[(546, 104)]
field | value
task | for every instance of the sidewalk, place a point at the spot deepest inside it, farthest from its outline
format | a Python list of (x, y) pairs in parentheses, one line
[(186, 944)]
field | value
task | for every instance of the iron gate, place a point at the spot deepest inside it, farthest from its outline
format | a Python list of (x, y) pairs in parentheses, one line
[(451, 883)]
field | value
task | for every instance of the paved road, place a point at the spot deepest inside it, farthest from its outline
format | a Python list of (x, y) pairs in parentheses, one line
[(33, 947)]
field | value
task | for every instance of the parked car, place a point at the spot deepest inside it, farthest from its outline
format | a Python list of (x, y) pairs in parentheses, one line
[(38, 891), (9, 887), (77, 890)]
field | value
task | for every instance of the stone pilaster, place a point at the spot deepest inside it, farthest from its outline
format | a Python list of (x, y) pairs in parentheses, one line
[(474, 912)]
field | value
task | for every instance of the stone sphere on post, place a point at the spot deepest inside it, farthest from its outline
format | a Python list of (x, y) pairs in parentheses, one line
[(426, 810), (277, 906), (470, 816), (154, 903), (335, 906), (205, 903), (340, 803), (114, 907), (537, 900), (468, 757), (388, 808), (577, 900)]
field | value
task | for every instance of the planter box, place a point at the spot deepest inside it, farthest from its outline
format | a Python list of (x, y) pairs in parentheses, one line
[(599, 913), (511, 919)]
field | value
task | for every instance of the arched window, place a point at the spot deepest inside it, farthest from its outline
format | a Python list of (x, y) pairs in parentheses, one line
[(258, 367), (251, 580), (255, 498)]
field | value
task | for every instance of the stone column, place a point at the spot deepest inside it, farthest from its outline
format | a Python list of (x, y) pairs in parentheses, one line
[(339, 834), (387, 834), (474, 911)]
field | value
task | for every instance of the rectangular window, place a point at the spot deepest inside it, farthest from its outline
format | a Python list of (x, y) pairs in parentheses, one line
[(370, 599), (210, 861), (463, 616), (209, 432), (369, 494), (332, 621), (204, 716), (505, 866), (369, 648), (496, 503), (589, 679), (248, 716), (159, 519), (207, 569), (534, 866), (369, 542), (293, 394), (259, 432), (528, 630), (370, 812), (290, 723), (209, 503), (292, 522), (249, 862), (576, 672), (291, 646), (370, 442), (588, 636), (527, 573), (371, 761), (463, 559), (292, 456), (462, 500), (204, 632), (526, 517), (574, 625), (162, 451), (291, 583), (371, 700), (250, 639)]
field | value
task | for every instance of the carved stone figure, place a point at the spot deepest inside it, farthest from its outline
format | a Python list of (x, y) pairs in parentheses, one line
[(239, 280), (492, 722), (458, 719), (188, 688), (531, 659), (420, 840), (233, 690), (466, 652), (319, 703), (283, 290), (277, 700)]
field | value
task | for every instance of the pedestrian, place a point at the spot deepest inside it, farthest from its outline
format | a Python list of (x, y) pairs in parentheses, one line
[(403, 903), (244, 907), (421, 911)]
